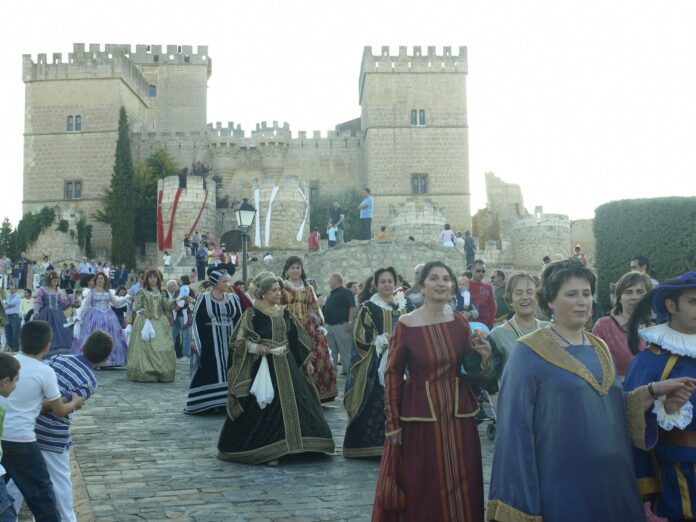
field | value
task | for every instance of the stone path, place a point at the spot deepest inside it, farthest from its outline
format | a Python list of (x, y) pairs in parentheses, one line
[(140, 458)]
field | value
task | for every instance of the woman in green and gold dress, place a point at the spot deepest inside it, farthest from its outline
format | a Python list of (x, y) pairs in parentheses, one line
[(153, 360), (364, 396), (293, 422)]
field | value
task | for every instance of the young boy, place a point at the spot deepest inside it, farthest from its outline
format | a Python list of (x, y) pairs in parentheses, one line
[(331, 231), (21, 455), (75, 375), (9, 373)]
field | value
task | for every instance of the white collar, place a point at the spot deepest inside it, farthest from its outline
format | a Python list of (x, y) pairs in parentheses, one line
[(668, 339), (399, 303), (293, 286)]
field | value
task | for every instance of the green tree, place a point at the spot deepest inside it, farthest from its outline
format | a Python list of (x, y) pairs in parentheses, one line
[(5, 236), (158, 165), (662, 229), (122, 211)]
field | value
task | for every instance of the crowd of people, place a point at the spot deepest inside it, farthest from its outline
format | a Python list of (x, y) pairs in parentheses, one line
[(594, 413)]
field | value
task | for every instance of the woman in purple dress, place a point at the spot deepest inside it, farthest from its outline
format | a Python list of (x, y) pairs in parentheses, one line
[(95, 313), (49, 305)]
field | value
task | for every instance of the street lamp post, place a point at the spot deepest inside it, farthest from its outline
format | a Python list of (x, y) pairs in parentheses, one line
[(245, 215)]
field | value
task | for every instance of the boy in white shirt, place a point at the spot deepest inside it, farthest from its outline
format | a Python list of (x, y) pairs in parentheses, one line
[(21, 455), (9, 373)]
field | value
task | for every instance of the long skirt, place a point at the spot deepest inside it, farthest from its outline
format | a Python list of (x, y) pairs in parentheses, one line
[(153, 360), (292, 423), (61, 341), (95, 319), (443, 474), (365, 432), (324, 376)]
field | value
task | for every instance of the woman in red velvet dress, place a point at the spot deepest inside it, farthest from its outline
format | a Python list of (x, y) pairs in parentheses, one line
[(432, 413), (301, 302)]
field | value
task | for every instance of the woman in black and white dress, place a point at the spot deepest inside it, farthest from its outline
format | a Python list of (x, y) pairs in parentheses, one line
[(214, 317)]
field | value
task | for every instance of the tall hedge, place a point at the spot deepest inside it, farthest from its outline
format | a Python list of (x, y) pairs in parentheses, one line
[(661, 229)]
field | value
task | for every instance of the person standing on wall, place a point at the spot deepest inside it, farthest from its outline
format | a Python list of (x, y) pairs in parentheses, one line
[(365, 207), (338, 216), (469, 249)]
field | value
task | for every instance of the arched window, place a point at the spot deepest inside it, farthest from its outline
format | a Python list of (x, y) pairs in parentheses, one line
[(421, 117), (70, 124), (152, 91), (414, 117), (78, 123)]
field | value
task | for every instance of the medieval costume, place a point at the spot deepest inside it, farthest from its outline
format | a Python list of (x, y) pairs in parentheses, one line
[(213, 323), (302, 304), (435, 409), (563, 451), (293, 422), (49, 306), (364, 396), (152, 359), (666, 468), (95, 313)]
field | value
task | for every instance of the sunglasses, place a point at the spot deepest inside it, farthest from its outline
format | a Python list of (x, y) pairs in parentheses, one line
[(480, 271)]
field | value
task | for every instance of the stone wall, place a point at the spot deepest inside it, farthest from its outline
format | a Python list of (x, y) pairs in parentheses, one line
[(582, 233), (534, 237)]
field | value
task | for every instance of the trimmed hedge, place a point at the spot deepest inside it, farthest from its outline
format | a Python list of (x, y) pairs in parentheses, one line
[(661, 229)]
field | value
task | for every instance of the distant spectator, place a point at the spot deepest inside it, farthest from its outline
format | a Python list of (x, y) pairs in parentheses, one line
[(11, 305), (546, 261), (86, 269), (313, 241), (501, 306), (331, 232), (338, 216), (580, 256), (459, 242), (482, 295), (267, 258), (365, 207), (447, 237), (382, 236), (469, 249), (641, 264)]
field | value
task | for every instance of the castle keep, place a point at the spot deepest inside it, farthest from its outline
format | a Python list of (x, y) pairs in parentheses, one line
[(409, 144)]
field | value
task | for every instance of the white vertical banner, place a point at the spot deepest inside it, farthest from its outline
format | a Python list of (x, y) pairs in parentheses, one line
[(257, 203), (267, 232), (304, 221)]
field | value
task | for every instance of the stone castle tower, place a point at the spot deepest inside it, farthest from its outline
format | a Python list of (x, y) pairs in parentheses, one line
[(414, 121), (409, 145)]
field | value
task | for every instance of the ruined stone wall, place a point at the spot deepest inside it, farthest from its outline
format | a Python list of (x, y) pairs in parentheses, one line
[(504, 200), (582, 233), (534, 237)]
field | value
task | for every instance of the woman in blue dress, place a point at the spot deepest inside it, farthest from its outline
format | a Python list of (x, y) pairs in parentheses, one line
[(565, 428), (49, 305)]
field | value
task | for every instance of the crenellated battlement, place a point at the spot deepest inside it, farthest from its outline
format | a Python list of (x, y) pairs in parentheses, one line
[(84, 66), (220, 137), (417, 61), (230, 130)]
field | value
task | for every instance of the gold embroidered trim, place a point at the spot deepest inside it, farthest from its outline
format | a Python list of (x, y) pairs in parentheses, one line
[(456, 406), (390, 433), (544, 343), (375, 451), (649, 485), (432, 417), (277, 450), (635, 415), (499, 511)]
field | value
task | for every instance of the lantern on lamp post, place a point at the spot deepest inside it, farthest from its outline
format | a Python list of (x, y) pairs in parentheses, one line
[(245, 215)]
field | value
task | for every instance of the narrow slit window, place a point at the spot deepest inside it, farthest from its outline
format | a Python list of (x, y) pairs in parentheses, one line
[(70, 124), (78, 123), (152, 91), (414, 117), (421, 117)]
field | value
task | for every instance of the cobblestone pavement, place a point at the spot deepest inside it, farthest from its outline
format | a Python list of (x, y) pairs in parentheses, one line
[(140, 458)]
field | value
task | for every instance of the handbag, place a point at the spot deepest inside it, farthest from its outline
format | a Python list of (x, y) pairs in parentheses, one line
[(262, 387), (390, 495)]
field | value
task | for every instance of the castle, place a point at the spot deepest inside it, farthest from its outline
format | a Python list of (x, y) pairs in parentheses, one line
[(409, 145)]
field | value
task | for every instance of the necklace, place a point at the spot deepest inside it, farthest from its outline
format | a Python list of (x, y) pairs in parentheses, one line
[(513, 323), (296, 286), (566, 340)]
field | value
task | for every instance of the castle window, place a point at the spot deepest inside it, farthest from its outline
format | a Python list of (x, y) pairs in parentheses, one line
[(152, 91), (421, 118), (72, 189), (419, 184), (414, 117), (187, 58), (70, 124), (78, 123), (313, 190), (156, 57)]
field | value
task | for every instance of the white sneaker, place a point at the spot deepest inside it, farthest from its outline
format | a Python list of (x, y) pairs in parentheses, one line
[(184, 358)]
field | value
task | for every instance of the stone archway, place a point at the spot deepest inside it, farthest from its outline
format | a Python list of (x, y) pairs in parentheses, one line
[(232, 240)]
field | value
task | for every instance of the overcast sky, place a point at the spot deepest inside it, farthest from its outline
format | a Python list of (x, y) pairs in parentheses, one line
[(579, 102)]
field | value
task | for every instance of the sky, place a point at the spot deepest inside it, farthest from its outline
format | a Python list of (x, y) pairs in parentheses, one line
[(580, 102)]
